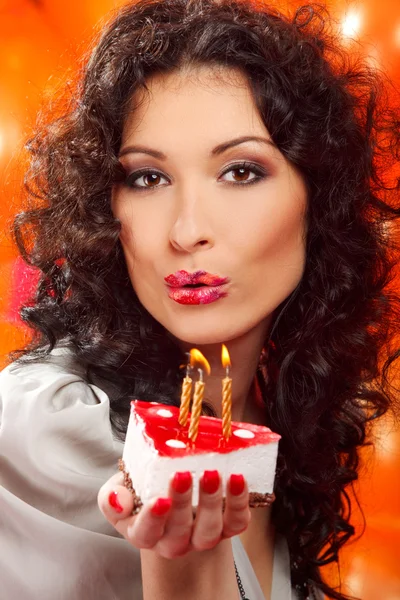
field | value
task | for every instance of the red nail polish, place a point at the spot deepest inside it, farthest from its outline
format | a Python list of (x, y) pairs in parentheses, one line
[(161, 506), (236, 484), (182, 481), (210, 482), (114, 502)]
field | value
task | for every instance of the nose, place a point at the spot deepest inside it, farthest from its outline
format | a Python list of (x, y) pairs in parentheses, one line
[(191, 230)]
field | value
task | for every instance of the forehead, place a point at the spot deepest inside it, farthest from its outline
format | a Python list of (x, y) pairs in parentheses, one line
[(203, 104)]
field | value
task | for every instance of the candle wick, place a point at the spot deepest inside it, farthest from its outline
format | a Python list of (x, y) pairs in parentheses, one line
[(227, 371), (200, 374), (188, 364)]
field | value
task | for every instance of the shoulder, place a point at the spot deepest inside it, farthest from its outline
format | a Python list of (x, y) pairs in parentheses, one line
[(51, 384), (50, 414), (56, 443)]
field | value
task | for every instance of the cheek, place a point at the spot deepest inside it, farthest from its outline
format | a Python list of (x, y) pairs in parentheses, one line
[(142, 243), (122, 210), (284, 238), (272, 248), (275, 233), (135, 234)]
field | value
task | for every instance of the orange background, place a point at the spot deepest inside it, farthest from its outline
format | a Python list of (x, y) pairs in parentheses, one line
[(40, 45)]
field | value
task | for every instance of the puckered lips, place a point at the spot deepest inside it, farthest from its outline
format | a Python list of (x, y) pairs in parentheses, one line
[(199, 287)]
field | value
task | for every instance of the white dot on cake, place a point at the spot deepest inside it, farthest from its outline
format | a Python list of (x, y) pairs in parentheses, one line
[(243, 433), (163, 412), (175, 444)]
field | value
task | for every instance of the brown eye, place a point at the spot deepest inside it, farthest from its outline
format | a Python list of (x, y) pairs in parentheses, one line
[(241, 174), (244, 174), (145, 180), (151, 179)]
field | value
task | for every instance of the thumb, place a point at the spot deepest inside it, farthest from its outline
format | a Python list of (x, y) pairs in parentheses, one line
[(114, 500)]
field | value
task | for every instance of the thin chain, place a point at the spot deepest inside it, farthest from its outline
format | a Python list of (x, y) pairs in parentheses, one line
[(309, 590), (313, 596), (240, 584), (306, 591)]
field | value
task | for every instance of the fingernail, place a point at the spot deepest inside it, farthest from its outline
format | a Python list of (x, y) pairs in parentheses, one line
[(182, 481), (236, 484), (114, 502), (161, 506), (210, 481)]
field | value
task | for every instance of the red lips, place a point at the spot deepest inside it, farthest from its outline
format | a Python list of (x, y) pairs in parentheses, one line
[(195, 288), (182, 278)]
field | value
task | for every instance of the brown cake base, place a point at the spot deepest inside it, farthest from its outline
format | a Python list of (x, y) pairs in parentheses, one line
[(256, 500)]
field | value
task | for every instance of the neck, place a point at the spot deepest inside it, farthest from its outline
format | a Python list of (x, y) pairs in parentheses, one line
[(245, 355)]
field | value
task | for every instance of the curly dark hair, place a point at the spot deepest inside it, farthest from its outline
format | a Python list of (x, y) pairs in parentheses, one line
[(331, 345)]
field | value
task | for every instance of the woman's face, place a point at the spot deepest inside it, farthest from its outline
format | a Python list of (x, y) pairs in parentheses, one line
[(212, 214)]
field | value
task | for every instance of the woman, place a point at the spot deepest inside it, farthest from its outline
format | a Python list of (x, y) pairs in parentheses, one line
[(218, 137)]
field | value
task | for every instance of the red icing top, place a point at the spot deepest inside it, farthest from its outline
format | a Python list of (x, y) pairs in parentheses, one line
[(164, 433)]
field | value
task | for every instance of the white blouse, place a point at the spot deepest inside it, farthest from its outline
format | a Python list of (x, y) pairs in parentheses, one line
[(56, 450)]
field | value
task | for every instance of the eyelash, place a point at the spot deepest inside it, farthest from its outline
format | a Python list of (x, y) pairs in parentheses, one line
[(248, 166)]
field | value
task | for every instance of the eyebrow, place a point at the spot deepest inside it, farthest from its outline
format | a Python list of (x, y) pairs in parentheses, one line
[(220, 149)]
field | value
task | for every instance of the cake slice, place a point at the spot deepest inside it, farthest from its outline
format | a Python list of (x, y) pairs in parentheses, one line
[(157, 446)]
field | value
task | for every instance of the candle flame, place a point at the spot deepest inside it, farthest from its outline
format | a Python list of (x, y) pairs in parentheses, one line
[(196, 358), (226, 361)]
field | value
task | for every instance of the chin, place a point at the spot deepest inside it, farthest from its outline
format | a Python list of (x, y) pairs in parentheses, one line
[(204, 334), (196, 337), (201, 327)]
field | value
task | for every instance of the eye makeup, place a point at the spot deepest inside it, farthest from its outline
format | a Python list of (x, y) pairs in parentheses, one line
[(260, 173)]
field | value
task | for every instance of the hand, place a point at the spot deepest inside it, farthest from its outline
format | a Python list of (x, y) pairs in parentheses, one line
[(168, 525)]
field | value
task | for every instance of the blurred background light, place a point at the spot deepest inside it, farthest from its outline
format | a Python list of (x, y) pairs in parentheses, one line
[(397, 36), (351, 24)]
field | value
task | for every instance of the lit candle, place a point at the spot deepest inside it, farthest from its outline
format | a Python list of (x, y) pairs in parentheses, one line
[(226, 395), (186, 395), (199, 386), (196, 408)]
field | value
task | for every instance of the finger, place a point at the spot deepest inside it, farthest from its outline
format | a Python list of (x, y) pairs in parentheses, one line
[(178, 529), (114, 500), (147, 528), (143, 530), (209, 521), (237, 513)]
